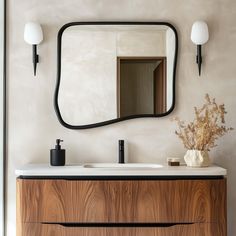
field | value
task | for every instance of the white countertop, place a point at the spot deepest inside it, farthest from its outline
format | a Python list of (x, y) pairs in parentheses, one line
[(79, 170)]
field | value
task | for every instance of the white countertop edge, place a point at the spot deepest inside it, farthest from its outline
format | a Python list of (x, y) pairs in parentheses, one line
[(79, 170)]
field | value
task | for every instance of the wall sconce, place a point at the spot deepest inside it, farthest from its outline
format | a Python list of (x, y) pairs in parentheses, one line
[(199, 36), (33, 35)]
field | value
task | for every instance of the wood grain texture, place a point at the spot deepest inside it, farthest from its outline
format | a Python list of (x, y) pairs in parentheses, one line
[(18, 209), (141, 201), (198, 229)]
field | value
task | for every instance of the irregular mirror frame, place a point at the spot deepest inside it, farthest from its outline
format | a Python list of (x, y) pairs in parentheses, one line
[(59, 69)]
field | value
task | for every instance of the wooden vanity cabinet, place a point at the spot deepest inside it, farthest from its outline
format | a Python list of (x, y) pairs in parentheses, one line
[(171, 207)]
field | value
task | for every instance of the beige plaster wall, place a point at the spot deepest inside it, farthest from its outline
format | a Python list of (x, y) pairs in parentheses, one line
[(32, 123)]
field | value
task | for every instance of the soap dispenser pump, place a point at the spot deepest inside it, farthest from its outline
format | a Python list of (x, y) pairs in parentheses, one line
[(57, 155)]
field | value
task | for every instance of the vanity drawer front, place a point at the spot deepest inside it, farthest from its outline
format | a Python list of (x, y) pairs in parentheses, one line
[(197, 229), (145, 201)]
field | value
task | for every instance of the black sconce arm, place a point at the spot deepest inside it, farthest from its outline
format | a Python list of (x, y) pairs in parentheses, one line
[(35, 58), (199, 58)]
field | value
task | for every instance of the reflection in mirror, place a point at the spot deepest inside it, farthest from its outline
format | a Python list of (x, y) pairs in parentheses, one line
[(113, 72), (141, 86)]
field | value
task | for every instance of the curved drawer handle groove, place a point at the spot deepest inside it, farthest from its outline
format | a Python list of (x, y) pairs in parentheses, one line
[(156, 225)]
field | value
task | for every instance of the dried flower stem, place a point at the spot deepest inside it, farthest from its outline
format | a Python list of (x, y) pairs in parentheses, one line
[(206, 128)]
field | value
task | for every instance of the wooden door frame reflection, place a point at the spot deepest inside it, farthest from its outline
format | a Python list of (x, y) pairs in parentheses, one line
[(157, 105)]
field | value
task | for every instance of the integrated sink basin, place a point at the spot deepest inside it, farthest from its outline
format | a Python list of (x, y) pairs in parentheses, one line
[(123, 166)]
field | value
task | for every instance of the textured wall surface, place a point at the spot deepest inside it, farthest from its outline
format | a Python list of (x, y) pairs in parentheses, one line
[(32, 123)]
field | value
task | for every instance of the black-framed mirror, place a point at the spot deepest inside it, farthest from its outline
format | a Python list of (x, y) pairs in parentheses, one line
[(113, 71)]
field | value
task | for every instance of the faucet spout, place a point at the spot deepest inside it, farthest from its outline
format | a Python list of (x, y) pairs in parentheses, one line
[(121, 152)]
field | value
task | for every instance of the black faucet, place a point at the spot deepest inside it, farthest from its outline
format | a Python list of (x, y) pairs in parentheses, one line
[(121, 152)]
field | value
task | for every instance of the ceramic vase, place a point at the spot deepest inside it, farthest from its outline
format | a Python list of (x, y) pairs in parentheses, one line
[(197, 158)]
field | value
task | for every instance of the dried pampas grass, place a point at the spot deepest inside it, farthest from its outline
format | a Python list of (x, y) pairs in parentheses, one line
[(206, 128)]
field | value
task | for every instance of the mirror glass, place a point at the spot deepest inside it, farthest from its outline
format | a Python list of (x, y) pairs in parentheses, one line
[(114, 72)]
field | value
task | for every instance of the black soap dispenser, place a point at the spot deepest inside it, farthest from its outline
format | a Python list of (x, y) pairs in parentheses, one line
[(57, 155)]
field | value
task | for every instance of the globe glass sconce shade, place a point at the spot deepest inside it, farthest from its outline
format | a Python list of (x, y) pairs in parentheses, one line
[(199, 36), (33, 35), (199, 33)]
